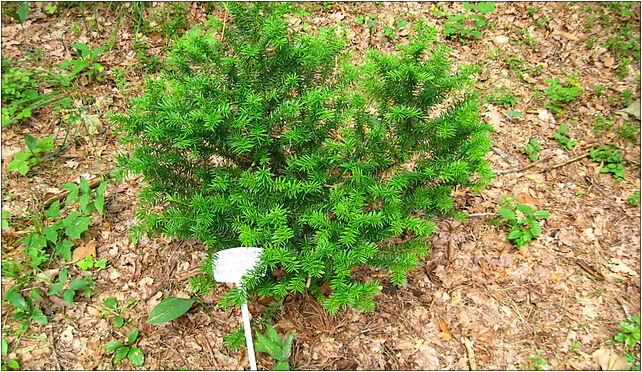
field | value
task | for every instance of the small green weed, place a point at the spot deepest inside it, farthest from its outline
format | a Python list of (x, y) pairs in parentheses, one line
[(634, 199), (86, 62), (562, 92), (391, 32), (18, 12), (532, 149), (113, 311), (469, 26), (522, 220), (629, 130), (502, 97), (23, 161), (8, 364), (609, 155), (538, 362), (273, 344), (88, 263), (84, 284), (601, 124), (629, 336), (25, 311), (149, 63), (122, 350), (561, 137)]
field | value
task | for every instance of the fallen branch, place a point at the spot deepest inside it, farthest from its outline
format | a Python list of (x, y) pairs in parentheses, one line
[(530, 165), (92, 185), (471, 353), (481, 214), (565, 163)]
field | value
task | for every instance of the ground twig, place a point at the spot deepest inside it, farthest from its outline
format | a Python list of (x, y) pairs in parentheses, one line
[(565, 163)]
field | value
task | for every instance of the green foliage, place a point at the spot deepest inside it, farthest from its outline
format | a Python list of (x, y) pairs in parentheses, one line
[(86, 62), (562, 92), (634, 199), (11, 363), (122, 350), (113, 311), (532, 149), (538, 362), (19, 12), (88, 263), (274, 139), (58, 289), (279, 348), (169, 309), (469, 26), (609, 155), (630, 332), (391, 32), (522, 220), (24, 310), (630, 131), (561, 137), (149, 63), (629, 337), (502, 97), (23, 161)]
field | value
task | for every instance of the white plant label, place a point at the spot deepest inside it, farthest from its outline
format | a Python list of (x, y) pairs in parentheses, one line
[(231, 264)]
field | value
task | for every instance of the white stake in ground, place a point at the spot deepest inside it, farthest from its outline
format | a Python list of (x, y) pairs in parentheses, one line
[(229, 267)]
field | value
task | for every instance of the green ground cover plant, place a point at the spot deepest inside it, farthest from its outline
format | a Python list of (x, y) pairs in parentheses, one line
[(532, 149), (471, 25), (273, 142), (127, 349), (563, 139), (609, 156), (279, 348), (522, 220)]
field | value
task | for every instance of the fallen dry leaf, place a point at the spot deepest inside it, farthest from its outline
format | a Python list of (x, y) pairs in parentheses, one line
[(569, 36), (609, 360), (427, 358), (445, 334), (617, 266), (83, 251)]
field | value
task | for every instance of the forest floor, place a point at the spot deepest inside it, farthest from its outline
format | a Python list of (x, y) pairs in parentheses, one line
[(475, 301)]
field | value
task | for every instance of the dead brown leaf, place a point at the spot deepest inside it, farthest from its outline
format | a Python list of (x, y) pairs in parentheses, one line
[(83, 251), (609, 360)]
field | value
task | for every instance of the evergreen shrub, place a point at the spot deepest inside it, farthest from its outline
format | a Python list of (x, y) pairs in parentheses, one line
[(258, 136)]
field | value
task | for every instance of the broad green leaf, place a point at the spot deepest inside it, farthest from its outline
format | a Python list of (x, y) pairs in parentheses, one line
[(272, 334), (68, 296), (99, 203), (83, 49), (136, 356), (55, 288), (80, 283), (281, 366), (121, 354), (506, 213), (5, 347), (467, 5), (286, 349), (169, 309), (485, 7), (101, 263), (63, 249), (13, 364), (54, 210), (69, 187), (541, 214), (30, 142), (514, 233), (84, 185), (111, 346), (526, 209), (86, 263), (79, 65), (83, 201), (23, 11), (77, 226), (38, 317), (515, 114), (132, 336), (111, 303), (119, 321), (63, 276), (50, 234), (35, 241), (16, 300), (265, 345)]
